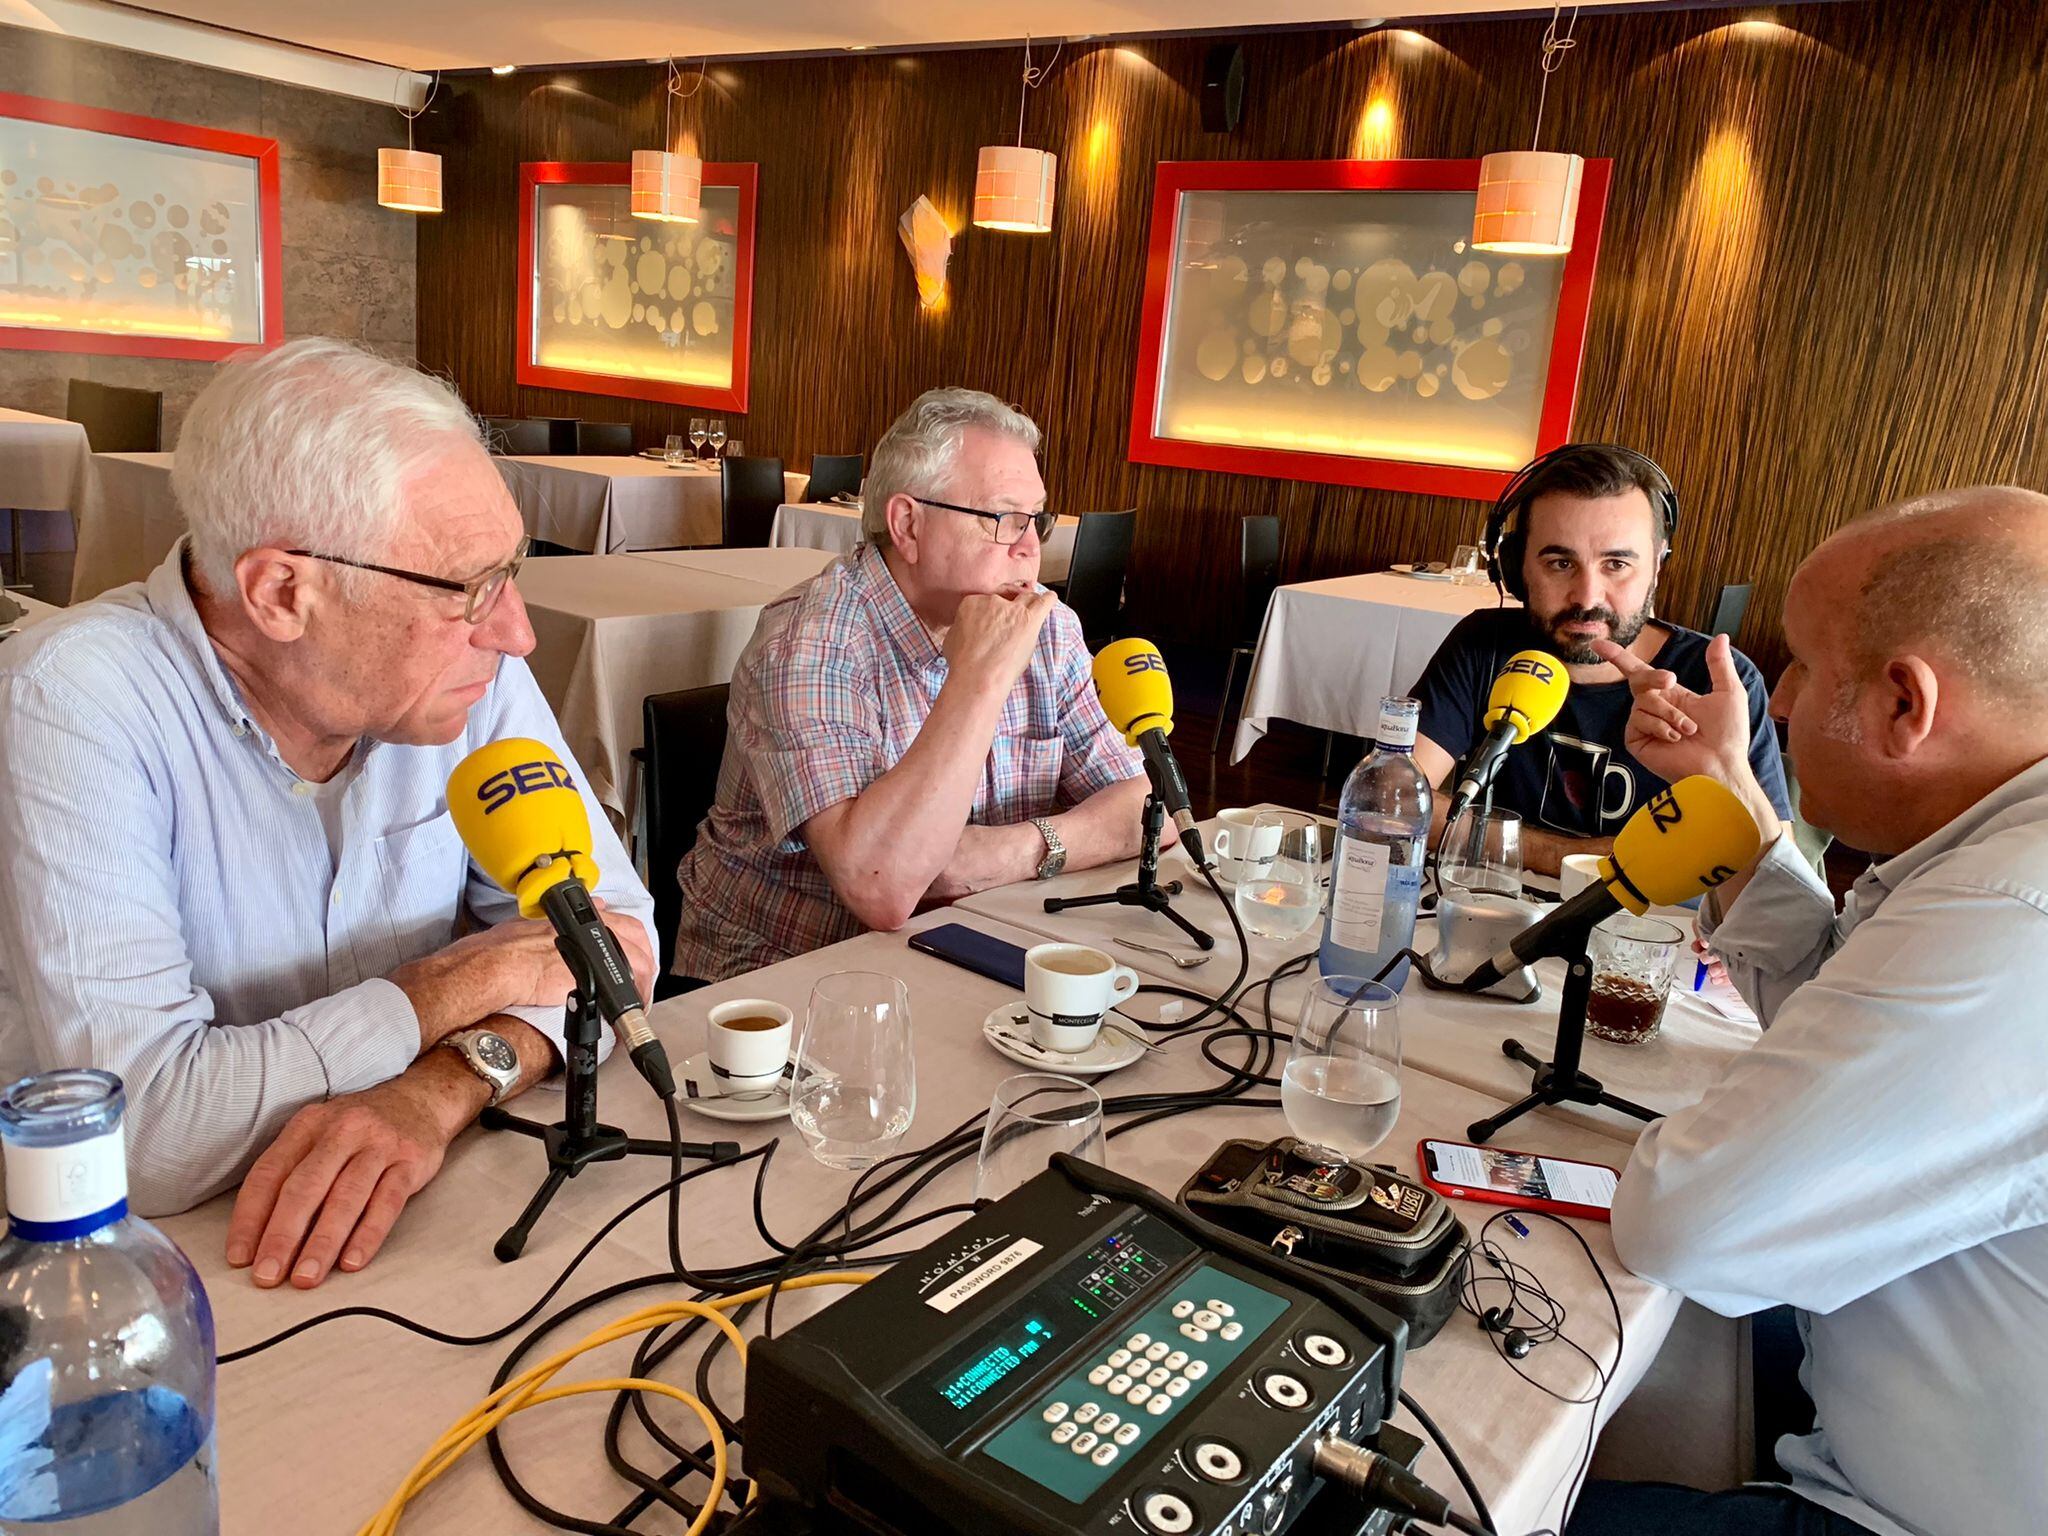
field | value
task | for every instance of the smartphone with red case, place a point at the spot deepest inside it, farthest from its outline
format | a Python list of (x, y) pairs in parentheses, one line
[(1531, 1181)]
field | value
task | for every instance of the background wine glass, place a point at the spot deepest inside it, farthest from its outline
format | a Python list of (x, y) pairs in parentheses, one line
[(853, 1087), (1341, 1088), (697, 435), (717, 436), (1032, 1116)]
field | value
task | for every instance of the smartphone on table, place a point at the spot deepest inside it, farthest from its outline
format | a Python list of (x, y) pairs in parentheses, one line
[(1530, 1180)]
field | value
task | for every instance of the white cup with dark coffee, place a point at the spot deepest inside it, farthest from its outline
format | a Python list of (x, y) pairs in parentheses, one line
[(747, 1044), (1068, 988)]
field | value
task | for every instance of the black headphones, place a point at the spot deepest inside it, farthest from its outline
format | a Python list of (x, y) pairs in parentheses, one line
[(1501, 1320), (1504, 546)]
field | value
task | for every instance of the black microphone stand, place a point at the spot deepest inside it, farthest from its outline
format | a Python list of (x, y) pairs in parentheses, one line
[(577, 1139), (1145, 891), (1562, 1081)]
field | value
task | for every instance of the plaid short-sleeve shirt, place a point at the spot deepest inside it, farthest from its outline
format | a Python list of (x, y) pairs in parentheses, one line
[(827, 697)]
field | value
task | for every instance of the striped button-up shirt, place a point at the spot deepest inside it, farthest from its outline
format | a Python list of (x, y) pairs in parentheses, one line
[(827, 697), (172, 910)]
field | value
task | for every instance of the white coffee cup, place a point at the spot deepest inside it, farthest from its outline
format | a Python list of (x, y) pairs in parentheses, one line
[(1575, 872), (1241, 848), (1068, 988), (746, 1055)]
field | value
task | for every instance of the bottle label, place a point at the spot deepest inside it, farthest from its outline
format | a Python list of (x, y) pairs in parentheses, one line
[(72, 1186), (1358, 895), (1397, 726)]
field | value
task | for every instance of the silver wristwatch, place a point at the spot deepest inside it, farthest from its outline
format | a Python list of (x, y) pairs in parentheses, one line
[(490, 1057), (1055, 858)]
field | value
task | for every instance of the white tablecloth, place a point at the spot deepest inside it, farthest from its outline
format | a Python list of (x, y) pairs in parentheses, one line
[(828, 525), (611, 629), (1329, 651), (45, 475), (127, 524), (326, 1425), (605, 503), (33, 612)]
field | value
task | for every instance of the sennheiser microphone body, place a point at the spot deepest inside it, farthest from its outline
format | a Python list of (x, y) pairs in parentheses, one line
[(1130, 679), (1687, 840), (1524, 699), (524, 822)]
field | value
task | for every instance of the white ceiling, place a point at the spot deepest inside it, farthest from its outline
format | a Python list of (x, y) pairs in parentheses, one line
[(461, 34)]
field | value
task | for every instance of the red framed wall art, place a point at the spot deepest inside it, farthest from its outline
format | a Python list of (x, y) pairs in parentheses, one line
[(1328, 320), (614, 305), (126, 234)]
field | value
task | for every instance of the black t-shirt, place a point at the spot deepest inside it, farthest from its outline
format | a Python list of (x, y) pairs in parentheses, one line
[(1576, 777)]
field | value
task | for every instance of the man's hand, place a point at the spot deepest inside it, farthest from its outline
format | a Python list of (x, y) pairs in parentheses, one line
[(337, 1176), (994, 635), (1675, 732)]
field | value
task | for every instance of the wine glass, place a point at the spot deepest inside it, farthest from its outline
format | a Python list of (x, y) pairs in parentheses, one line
[(1341, 1088), (697, 436), (1281, 897), (717, 436), (853, 1088), (1032, 1116), (672, 449)]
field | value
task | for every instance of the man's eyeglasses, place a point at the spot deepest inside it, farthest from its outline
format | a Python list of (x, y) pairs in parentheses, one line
[(479, 594), (1008, 526)]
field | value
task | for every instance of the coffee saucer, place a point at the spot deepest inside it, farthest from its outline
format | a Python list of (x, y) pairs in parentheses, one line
[(697, 1089), (1008, 1029)]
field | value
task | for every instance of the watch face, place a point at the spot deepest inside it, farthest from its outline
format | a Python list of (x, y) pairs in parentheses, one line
[(496, 1053)]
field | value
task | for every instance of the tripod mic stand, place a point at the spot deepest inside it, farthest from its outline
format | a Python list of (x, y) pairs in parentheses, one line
[(1145, 891), (1562, 1081), (577, 1139)]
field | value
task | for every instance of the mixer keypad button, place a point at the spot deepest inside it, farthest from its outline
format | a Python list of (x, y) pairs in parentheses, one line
[(1137, 1394), (1084, 1443), (1224, 1307), (1085, 1414), (1199, 1335), (1177, 1387), (1183, 1307), (1063, 1433), (1137, 1341), (1104, 1423), (1157, 1351), (1119, 1384), (1119, 1358), (1176, 1360), (1126, 1433), (1054, 1412), (1099, 1375), (1195, 1370), (1232, 1331), (1159, 1404), (1157, 1378), (1103, 1454), (1207, 1319)]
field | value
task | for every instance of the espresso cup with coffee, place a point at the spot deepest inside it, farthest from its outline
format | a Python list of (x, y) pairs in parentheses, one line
[(747, 1044), (1068, 988), (1575, 872)]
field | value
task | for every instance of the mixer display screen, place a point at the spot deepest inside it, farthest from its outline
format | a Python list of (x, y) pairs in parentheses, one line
[(1019, 1339)]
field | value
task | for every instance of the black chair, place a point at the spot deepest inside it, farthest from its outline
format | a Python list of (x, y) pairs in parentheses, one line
[(752, 490), (117, 419), (1729, 609), (522, 435), (613, 437), (685, 743), (1261, 574), (1095, 578), (833, 474)]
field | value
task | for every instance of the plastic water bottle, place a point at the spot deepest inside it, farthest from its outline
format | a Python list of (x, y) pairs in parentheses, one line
[(106, 1338), (1383, 827)]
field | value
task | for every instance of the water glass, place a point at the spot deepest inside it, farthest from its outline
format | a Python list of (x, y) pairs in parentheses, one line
[(1468, 566), (735, 449), (853, 1087), (672, 449), (1632, 959), (1280, 901), (1032, 1116), (717, 436), (697, 435), (1341, 1088), (1482, 851)]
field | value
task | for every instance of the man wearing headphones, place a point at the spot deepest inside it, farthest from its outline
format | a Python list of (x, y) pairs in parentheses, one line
[(1579, 536)]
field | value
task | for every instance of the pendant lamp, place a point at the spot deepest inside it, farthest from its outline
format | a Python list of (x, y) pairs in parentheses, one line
[(409, 179), (668, 187), (1013, 186), (1529, 199)]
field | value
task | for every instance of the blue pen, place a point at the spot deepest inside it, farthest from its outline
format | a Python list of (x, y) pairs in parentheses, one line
[(1699, 976)]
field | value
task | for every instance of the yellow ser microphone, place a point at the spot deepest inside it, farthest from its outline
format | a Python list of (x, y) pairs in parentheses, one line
[(524, 822), (1524, 699), (1131, 681), (1684, 842)]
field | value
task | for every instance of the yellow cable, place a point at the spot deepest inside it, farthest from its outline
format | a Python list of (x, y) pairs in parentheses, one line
[(530, 1388)]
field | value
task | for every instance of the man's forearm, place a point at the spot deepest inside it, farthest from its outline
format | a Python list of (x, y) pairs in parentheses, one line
[(455, 1091), (1103, 828)]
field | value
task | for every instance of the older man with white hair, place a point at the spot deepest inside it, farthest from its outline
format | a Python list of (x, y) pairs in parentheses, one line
[(232, 875), (1879, 1160), (918, 721)]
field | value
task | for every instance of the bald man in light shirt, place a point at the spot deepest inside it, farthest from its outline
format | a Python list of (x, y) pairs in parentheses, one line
[(1879, 1159)]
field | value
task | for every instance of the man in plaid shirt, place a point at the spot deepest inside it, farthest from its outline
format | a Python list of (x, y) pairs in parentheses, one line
[(915, 723)]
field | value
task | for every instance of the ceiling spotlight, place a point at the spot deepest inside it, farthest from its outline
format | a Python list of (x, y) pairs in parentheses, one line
[(503, 69)]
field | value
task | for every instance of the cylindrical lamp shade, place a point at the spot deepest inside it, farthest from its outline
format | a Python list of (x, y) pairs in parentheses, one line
[(409, 180), (667, 187), (1528, 202), (1013, 189)]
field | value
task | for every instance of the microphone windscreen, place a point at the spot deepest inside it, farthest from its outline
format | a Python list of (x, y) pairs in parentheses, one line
[(1683, 843), (1528, 693), (1131, 681), (515, 804)]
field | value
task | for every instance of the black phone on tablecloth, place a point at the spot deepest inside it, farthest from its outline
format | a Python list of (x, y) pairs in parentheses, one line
[(982, 953)]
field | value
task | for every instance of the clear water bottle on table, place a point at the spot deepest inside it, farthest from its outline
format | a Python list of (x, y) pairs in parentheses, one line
[(106, 1338), (1382, 835)]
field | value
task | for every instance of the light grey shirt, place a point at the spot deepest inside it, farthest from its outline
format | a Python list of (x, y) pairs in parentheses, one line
[(170, 907), (1879, 1160)]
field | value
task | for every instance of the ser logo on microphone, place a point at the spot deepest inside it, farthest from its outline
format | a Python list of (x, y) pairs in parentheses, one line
[(1531, 667), (507, 784), (1144, 661)]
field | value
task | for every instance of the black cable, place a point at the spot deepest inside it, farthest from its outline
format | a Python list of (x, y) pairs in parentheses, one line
[(1457, 1465)]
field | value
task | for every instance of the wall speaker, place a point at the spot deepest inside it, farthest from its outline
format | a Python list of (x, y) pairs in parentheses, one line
[(1222, 88)]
